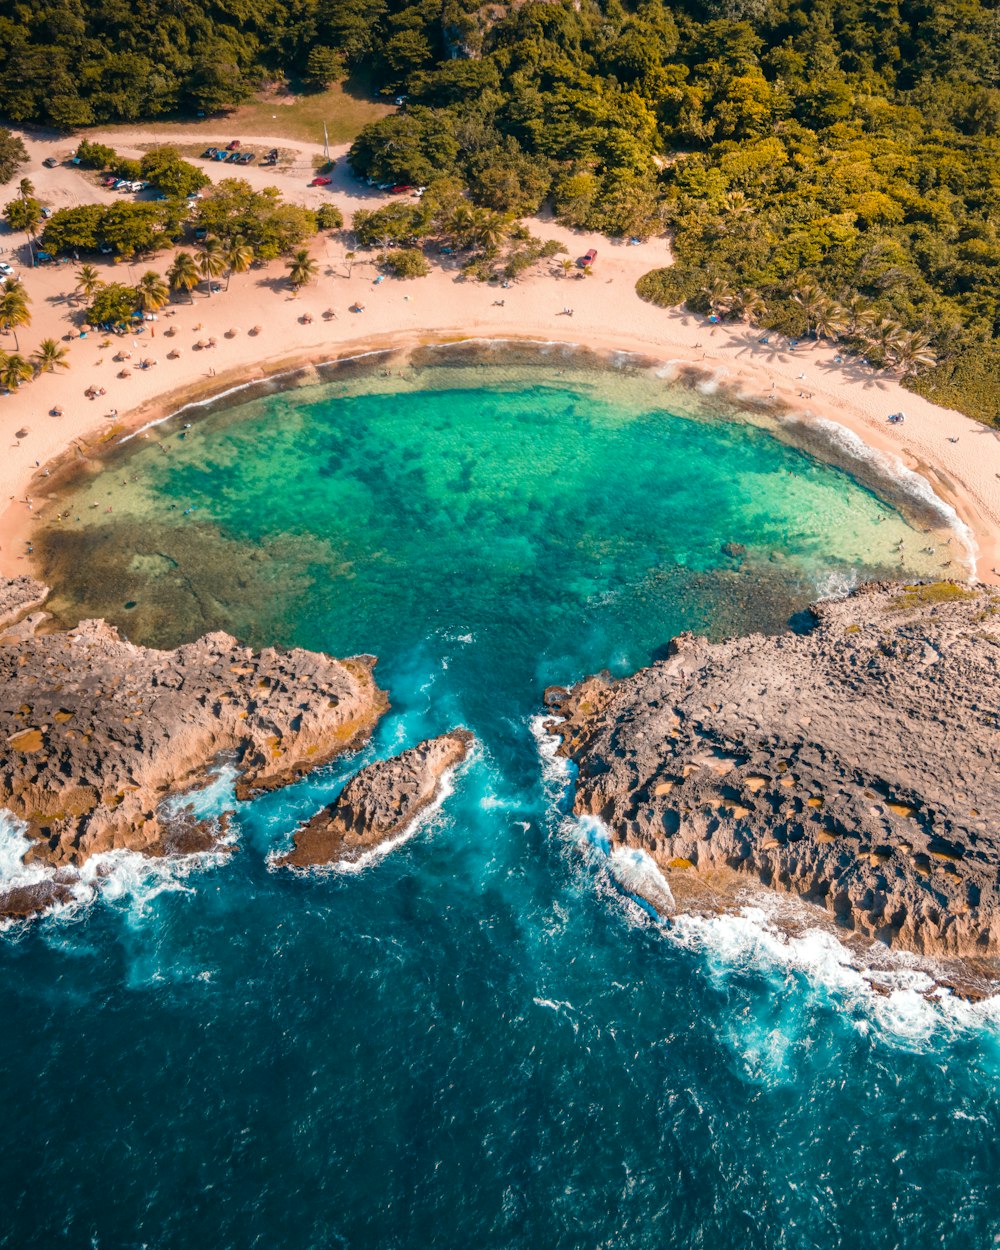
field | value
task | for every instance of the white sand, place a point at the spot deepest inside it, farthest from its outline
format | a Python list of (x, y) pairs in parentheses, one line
[(607, 315)]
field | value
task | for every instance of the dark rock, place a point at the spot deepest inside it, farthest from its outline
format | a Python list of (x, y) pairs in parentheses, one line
[(378, 803), (856, 765)]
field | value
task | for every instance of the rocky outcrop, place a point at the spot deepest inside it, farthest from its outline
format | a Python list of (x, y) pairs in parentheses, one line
[(99, 732), (19, 595), (856, 765), (378, 803)]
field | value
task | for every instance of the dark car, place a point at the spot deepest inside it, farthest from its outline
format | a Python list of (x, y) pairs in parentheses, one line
[(209, 154), (233, 158), (247, 157)]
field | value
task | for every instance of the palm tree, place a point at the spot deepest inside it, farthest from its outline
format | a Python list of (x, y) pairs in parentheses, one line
[(13, 308), (566, 266), (857, 313), (49, 356), (210, 261), (811, 300), (718, 295), (238, 255), (183, 274), (490, 229), (913, 352), (25, 188), (749, 305), (88, 281), (153, 292), (15, 370), (885, 334), (301, 269), (829, 319)]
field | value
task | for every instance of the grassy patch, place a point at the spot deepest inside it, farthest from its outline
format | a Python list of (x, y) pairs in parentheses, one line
[(932, 592), (345, 107)]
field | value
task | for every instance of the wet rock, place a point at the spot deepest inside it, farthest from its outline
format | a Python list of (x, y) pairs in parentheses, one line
[(98, 732), (837, 764), (18, 596), (378, 803)]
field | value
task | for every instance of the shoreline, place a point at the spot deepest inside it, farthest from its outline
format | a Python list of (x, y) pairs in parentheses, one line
[(958, 457), (816, 432)]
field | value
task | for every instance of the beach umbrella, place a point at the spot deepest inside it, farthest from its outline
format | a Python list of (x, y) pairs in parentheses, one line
[(211, 342), (124, 373), (231, 334), (255, 330), (172, 355)]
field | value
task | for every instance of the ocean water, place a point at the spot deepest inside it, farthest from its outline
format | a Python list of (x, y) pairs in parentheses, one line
[(480, 1038)]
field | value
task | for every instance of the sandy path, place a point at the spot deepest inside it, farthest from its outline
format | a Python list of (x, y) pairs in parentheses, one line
[(959, 457)]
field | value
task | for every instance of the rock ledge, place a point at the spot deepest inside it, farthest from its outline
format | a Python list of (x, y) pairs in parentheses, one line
[(857, 765)]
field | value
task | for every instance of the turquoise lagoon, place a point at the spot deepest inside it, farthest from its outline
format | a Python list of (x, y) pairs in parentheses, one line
[(479, 1039)]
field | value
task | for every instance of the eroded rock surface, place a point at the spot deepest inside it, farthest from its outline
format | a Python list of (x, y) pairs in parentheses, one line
[(378, 803), (19, 595), (98, 732), (857, 766)]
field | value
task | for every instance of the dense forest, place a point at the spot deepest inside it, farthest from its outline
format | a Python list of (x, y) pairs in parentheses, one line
[(826, 168)]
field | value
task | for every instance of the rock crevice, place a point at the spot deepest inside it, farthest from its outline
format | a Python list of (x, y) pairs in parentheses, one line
[(856, 765)]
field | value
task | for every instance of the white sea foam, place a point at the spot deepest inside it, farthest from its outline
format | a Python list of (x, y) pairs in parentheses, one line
[(556, 770), (836, 584), (422, 821), (14, 843)]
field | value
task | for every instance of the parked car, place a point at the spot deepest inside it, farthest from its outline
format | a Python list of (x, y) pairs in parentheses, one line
[(400, 190), (46, 213), (200, 232), (44, 258), (234, 158), (50, 162), (246, 157), (273, 154), (209, 154), (6, 270), (232, 145), (588, 259), (321, 180), (221, 155)]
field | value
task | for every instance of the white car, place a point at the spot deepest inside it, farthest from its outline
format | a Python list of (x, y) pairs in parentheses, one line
[(6, 270)]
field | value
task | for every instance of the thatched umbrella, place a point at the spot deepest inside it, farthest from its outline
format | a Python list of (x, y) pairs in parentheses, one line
[(329, 315), (254, 331), (231, 334), (170, 332), (124, 373), (22, 433), (173, 355), (200, 345), (212, 343)]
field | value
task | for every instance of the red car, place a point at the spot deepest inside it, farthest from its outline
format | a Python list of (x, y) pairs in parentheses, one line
[(231, 147), (321, 181), (400, 190)]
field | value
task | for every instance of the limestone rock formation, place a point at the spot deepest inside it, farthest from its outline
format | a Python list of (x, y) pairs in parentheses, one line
[(378, 803), (19, 595), (857, 765), (99, 732)]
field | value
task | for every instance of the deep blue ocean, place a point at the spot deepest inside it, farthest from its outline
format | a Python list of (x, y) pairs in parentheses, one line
[(480, 1038)]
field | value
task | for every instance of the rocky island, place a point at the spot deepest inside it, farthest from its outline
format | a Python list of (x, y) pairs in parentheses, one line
[(855, 764), (99, 732), (378, 803)]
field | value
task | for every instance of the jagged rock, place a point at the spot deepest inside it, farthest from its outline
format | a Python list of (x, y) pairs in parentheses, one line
[(857, 765), (18, 596), (378, 803), (99, 732)]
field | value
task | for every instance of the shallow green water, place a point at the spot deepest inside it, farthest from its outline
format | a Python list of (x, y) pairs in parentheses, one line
[(479, 1039)]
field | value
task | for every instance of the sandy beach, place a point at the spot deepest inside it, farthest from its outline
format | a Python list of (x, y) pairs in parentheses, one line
[(959, 458)]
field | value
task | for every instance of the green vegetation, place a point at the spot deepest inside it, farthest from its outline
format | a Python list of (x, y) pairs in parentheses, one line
[(125, 227), (113, 305), (261, 218), (830, 169), (13, 154), (405, 262), (923, 593)]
